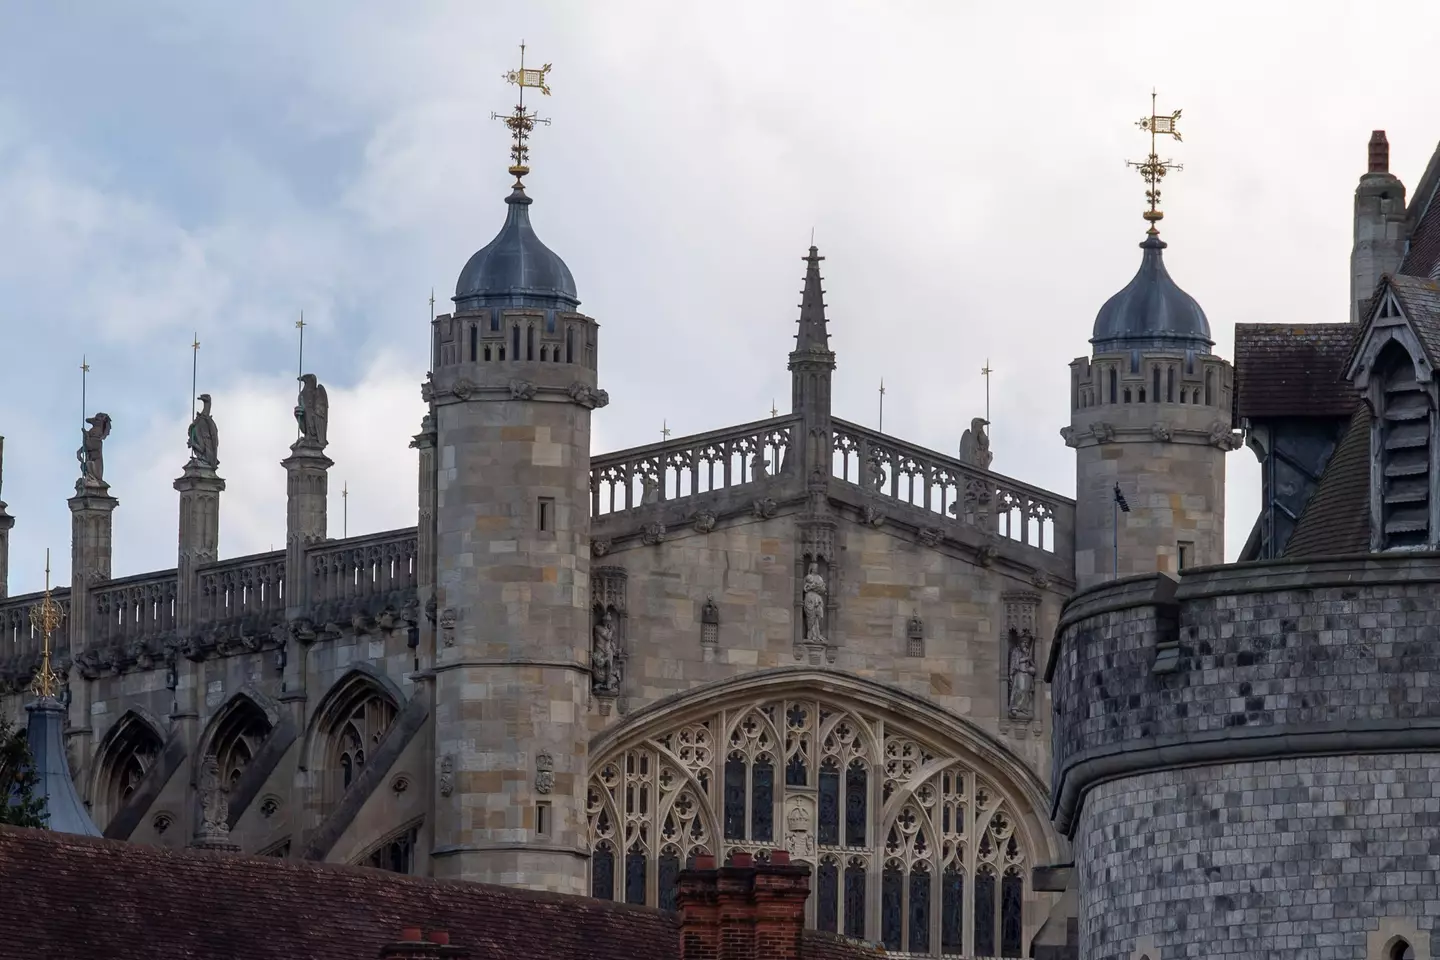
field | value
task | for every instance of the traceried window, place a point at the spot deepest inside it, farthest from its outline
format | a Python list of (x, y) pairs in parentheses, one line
[(395, 853), (125, 757), (910, 846), (355, 718), (238, 736)]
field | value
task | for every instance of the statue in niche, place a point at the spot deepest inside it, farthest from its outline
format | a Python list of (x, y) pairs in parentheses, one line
[(92, 450), (1022, 674), (604, 656), (312, 412), (214, 801), (975, 445), (813, 602), (204, 438)]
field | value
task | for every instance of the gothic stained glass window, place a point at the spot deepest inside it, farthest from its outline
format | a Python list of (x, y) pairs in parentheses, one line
[(762, 811), (919, 910), (635, 875), (855, 796), (855, 900), (952, 911), (827, 895), (891, 914), (985, 913), (669, 878), (1012, 898), (735, 798), (829, 833), (896, 826), (602, 872)]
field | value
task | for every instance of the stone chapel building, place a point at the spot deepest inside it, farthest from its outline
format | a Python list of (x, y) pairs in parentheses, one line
[(579, 673)]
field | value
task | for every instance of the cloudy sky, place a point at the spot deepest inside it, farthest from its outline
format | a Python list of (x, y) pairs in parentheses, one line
[(173, 167)]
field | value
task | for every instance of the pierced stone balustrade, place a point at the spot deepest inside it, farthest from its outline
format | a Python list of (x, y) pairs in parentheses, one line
[(362, 575), (133, 610), (898, 471), (21, 643), (250, 587), (688, 466)]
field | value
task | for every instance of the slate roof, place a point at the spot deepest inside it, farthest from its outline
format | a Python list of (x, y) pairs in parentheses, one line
[(1422, 257), (1420, 299), (516, 269), (1292, 370), (68, 897), (1336, 521)]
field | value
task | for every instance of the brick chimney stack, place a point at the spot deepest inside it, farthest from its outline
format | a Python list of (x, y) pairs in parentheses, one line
[(412, 945), (744, 911)]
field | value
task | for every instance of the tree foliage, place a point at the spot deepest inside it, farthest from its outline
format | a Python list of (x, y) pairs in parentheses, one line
[(18, 804)]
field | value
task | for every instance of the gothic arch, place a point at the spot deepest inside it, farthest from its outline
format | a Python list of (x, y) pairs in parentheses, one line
[(921, 827), (236, 732), (126, 753), (351, 721)]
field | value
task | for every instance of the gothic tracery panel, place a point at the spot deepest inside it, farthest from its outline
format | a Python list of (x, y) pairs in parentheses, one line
[(910, 845)]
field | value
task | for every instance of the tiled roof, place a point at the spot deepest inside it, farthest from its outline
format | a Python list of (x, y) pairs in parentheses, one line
[(1423, 255), (1420, 299), (68, 897), (1336, 521), (1290, 370)]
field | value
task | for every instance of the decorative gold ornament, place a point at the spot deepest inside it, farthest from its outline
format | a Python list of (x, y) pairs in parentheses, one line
[(1152, 168), (46, 617), (521, 121)]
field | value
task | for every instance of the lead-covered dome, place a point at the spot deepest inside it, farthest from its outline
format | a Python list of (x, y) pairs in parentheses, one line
[(1152, 312), (516, 269)]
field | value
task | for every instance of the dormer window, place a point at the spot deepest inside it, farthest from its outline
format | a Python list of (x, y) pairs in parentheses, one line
[(1403, 425)]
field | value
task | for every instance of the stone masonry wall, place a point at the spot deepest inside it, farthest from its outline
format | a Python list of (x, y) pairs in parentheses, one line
[(1249, 762), (749, 569)]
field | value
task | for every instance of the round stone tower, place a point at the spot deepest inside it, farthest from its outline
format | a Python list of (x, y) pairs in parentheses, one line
[(1151, 424), (512, 389)]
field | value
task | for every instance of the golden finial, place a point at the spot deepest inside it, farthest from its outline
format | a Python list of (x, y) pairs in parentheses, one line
[(45, 617), (521, 122), (1153, 169)]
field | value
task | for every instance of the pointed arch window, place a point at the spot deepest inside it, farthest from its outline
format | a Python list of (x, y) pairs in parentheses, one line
[(1404, 426), (396, 853), (1114, 385), (353, 723), (127, 755), (239, 733), (910, 845)]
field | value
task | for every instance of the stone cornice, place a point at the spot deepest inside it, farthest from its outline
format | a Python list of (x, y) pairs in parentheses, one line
[(1161, 430), (464, 390)]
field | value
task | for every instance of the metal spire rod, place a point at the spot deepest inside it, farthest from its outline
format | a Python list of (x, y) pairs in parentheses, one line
[(194, 372), (882, 405)]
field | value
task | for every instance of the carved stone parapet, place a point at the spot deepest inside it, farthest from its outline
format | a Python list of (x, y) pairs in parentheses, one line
[(930, 536), (653, 533), (704, 521), (1161, 432), (765, 508)]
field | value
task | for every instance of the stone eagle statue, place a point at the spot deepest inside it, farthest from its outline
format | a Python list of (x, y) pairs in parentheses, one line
[(204, 438), (975, 445), (312, 412)]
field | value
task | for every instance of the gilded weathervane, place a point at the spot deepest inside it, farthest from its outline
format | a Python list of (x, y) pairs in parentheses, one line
[(1153, 169), (521, 122), (45, 617)]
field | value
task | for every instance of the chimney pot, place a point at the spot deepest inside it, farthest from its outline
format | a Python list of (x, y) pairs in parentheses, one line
[(780, 857), (1379, 152), (705, 861), (410, 934), (742, 860), (440, 937)]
